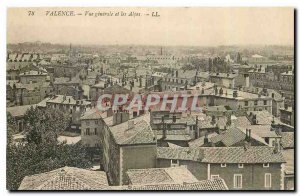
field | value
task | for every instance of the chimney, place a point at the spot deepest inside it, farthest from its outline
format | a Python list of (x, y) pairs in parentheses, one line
[(130, 124), (285, 106), (164, 127), (174, 118), (246, 145), (254, 119), (235, 93), (221, 91), (205, 139), (228, 123), (276, 148), (213, 120), (249, 135)]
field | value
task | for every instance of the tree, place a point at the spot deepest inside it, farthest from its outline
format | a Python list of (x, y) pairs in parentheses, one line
[(44, 124), (41, 152)]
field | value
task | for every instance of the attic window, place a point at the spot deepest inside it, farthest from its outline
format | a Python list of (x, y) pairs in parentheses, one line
[(240, 165), (266, 165), (174, 163), (223, 164)]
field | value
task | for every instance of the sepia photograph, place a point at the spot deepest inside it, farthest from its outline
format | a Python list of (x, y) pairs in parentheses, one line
[(150, 99)]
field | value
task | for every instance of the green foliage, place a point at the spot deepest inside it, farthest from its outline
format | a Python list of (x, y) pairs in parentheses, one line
[(41, 152), (46, 124)]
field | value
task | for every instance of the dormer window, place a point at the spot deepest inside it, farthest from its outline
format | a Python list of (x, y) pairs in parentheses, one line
[(174, 163), (223, 164), (266, 165), (240, 165)]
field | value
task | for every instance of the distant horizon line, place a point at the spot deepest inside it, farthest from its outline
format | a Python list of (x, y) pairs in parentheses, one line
[(160, 45)]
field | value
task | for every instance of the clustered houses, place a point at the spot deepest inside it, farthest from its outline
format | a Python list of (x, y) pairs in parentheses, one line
[(178, 80), (91, 128), (240, 139), (242, 168), (127, 144), (30, 88), (271, 78), (173, 127), (277, 98), (32, 77), (226, 80), (68, 104), (287, 115), (68, 86)]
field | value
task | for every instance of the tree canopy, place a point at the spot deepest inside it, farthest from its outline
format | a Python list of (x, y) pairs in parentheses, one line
[(41, 151)]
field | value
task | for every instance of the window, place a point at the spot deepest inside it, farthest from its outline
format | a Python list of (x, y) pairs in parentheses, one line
[(212, 177), (266, 165), (174, 163), (265, 102), (96, 131), (240, 165), (237, 181), (268, 180), (223, 164), (96, 122), (87, 123), (87, 131), (255, 102), (246, 103)]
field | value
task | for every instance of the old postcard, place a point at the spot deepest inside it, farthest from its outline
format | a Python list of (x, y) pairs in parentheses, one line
[(145, 98)]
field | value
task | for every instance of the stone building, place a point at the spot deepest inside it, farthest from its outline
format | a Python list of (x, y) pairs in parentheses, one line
[(242, 168), (75, 108), (127, 144)]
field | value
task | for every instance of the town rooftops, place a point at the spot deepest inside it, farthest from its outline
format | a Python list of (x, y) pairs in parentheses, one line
[(16, 65), (116, 89), (42, 104), (263, 131), (256, 56), (62, 99), (269, 92), (29, 87), (287, 139), (250, 154), (263, 117), (66, 178), (199, 142), (288, 109), (288, 73), (19, 111), (216, 184), (92, 114), (135, 131), (188, 120), (178, 175), (233, 136), (33, 73), (289, 155), (65, 80), (223, 75), (159, 74), (241, 95), (100, 84), (241, 121)]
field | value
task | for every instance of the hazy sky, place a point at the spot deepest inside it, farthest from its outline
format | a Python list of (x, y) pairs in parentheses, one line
[(175, 26)]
